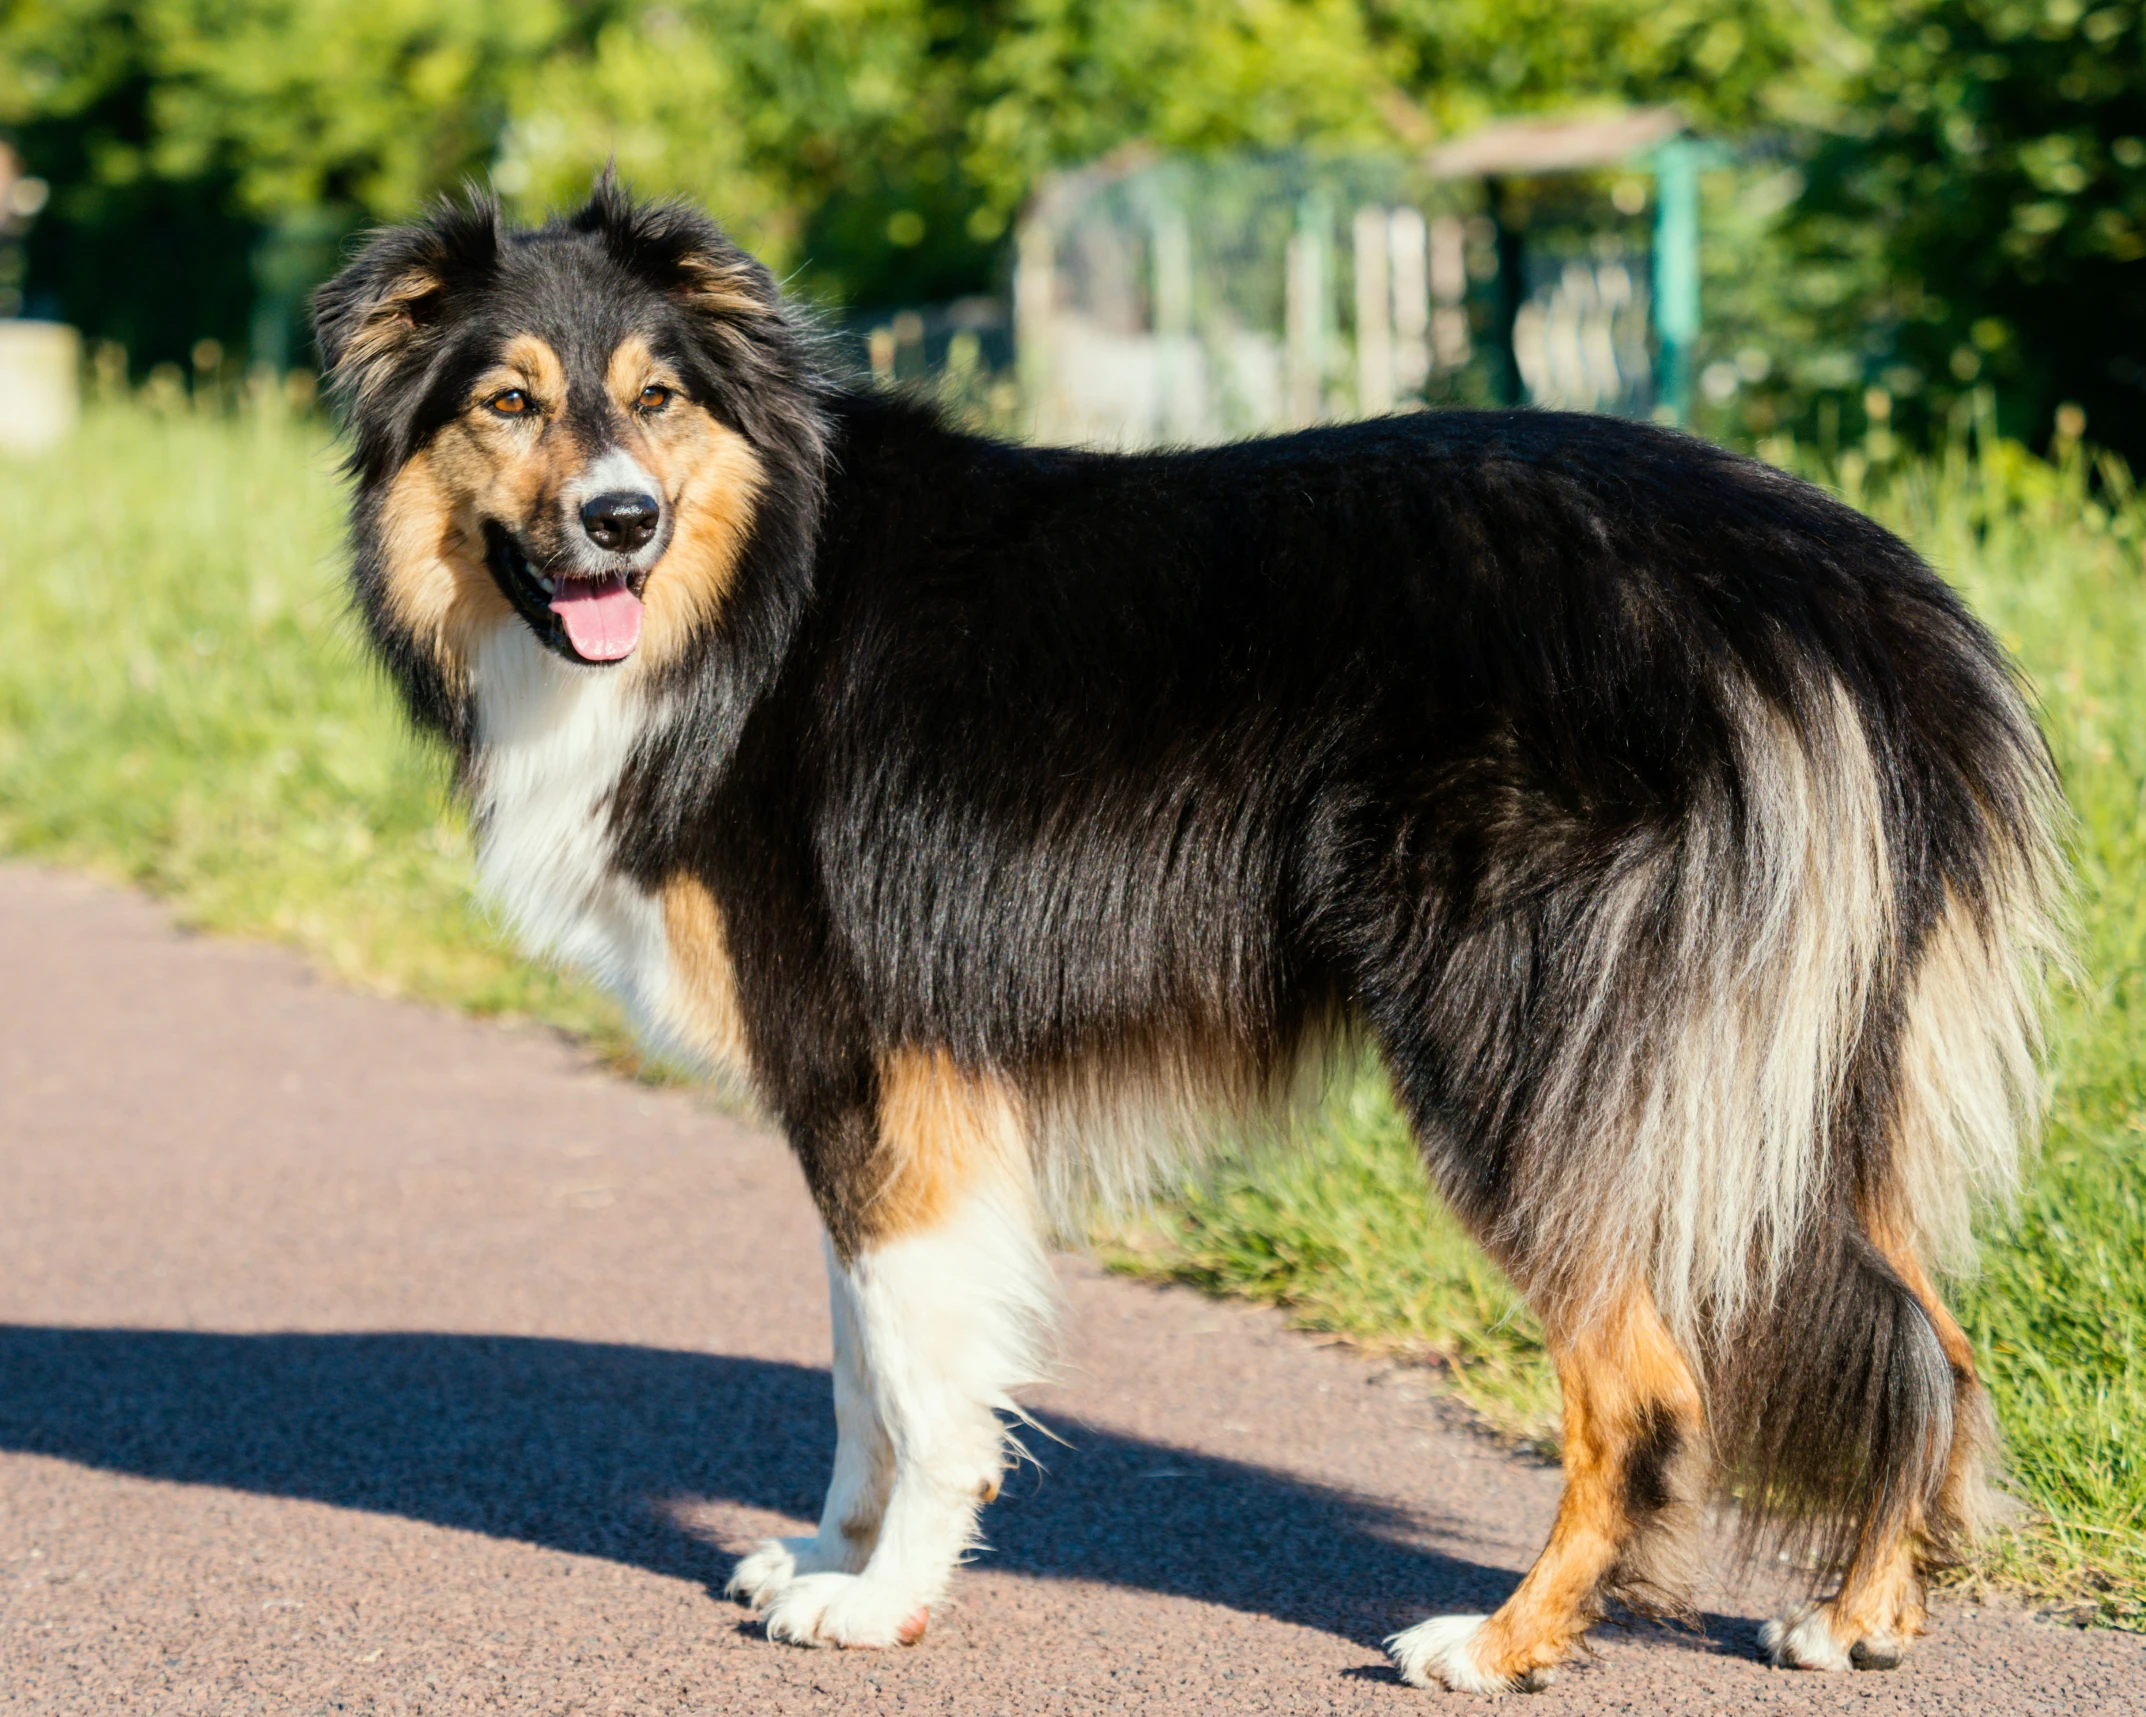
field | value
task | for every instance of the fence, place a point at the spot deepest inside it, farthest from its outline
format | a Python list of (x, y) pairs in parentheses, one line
[(1166, 300)]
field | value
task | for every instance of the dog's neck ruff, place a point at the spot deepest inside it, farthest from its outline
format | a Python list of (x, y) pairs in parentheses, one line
[(551, 741)]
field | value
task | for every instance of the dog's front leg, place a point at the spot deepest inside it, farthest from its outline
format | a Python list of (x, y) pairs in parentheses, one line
[(864, 1471), (943, 1294)]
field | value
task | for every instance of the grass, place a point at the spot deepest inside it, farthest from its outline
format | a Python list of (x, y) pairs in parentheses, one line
[(185, 706)]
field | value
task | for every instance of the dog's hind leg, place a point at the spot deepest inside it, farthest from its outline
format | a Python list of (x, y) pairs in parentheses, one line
[(940, 1273), (1636, 1473)]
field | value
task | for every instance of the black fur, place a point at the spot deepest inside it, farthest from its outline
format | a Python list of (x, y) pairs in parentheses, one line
[(1053, 758)]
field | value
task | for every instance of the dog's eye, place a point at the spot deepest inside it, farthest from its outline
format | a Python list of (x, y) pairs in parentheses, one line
[(654, 398), (512, 403)]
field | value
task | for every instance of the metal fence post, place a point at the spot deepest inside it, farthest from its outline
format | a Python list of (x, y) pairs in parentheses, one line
[(1676, 273)]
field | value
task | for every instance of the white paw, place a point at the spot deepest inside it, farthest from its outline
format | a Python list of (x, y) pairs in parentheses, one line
[(759, 1579), (846, 1610), (1441, 1653), (1803, 1640)]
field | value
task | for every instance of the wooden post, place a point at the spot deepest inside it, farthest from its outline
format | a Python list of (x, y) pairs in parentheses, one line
[(1406, 246), (1035, 310), (1307, 312), (1374, 308)]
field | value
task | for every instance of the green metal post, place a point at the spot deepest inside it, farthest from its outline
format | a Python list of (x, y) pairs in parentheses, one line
[(1676, 272)]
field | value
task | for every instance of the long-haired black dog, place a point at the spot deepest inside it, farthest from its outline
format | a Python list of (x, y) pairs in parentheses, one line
[(1008, 817)]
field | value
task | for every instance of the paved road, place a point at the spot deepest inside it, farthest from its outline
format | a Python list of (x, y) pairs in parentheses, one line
[(358, 1357)]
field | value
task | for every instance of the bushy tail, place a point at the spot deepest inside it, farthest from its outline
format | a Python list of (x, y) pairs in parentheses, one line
[(1767, 1049), (1837, 1406), (1787, 1049), (1835, 1413)]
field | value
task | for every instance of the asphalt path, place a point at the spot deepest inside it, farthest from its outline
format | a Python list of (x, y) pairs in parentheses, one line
[(356, 1356)]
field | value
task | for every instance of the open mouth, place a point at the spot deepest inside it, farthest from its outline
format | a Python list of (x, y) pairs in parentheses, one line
[(594, 617)]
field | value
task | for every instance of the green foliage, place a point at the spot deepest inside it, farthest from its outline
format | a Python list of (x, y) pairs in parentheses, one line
[(832, 132), (882, 146), (1958, 194), (1727, 64), (1937, 195), (2058, 1311), (1976, 213), (371, 106)]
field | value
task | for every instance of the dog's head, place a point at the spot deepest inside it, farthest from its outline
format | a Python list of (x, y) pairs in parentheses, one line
[(569, 428)]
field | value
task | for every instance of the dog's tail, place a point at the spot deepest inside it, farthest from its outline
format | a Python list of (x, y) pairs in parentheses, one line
[(1836, 1404), (1782, 1049)]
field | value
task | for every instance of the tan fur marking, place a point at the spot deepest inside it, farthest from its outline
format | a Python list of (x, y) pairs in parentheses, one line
[(705, 1012), (719, 291), (1615, 1374), (437, 586), (714, 489), (711, 479), (478, 466), (531, 364), (633, 367), (388, 323), (1880, 1602), (1962, 1507), (941, 1130)]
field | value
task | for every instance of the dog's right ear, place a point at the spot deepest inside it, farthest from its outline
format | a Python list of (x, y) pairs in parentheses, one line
[(382, 312)]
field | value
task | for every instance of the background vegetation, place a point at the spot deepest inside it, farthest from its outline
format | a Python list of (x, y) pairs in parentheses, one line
[(184, 705), (1933, 194)]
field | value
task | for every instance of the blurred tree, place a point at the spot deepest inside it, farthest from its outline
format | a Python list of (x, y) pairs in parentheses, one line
[(208, 154), (1065, 81), (370, 106), (1985, 181), (828, 133), (878, 147), (124, 253), (885, 145), (1957, 196), (1727, 64)]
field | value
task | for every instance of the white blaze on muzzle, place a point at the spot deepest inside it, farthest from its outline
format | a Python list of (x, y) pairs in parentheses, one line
[(600, 612)]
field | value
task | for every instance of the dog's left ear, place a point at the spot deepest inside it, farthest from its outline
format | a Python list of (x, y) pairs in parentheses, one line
[(384, 310), (759, 371), (683, 253)]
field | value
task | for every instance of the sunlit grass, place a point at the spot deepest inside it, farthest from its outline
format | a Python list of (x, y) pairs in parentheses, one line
[(184, 705)]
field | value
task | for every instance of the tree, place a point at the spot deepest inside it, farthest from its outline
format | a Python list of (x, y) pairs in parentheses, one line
[(1988, 172)]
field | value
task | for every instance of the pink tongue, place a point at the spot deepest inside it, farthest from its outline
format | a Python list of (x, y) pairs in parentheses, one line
[(603, 621)]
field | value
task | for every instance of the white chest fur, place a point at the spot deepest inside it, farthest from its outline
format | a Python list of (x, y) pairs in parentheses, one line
[(553, 740)]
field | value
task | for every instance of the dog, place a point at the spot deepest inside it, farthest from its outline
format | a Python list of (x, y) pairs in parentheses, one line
[(1011, 819)]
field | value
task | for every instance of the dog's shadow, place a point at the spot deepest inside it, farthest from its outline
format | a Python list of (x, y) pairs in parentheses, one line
[(596, 1449)]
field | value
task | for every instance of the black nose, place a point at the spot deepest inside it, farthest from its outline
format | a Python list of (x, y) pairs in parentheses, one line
[(620, 522)]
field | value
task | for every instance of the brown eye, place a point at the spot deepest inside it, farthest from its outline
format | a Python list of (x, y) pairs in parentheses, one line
[(654, 398), (512, 403)]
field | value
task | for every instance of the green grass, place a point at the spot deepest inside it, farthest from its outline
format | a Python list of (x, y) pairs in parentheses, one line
[(184, 705)]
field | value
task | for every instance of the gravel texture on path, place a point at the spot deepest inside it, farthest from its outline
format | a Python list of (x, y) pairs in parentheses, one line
[(356, 1356)]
